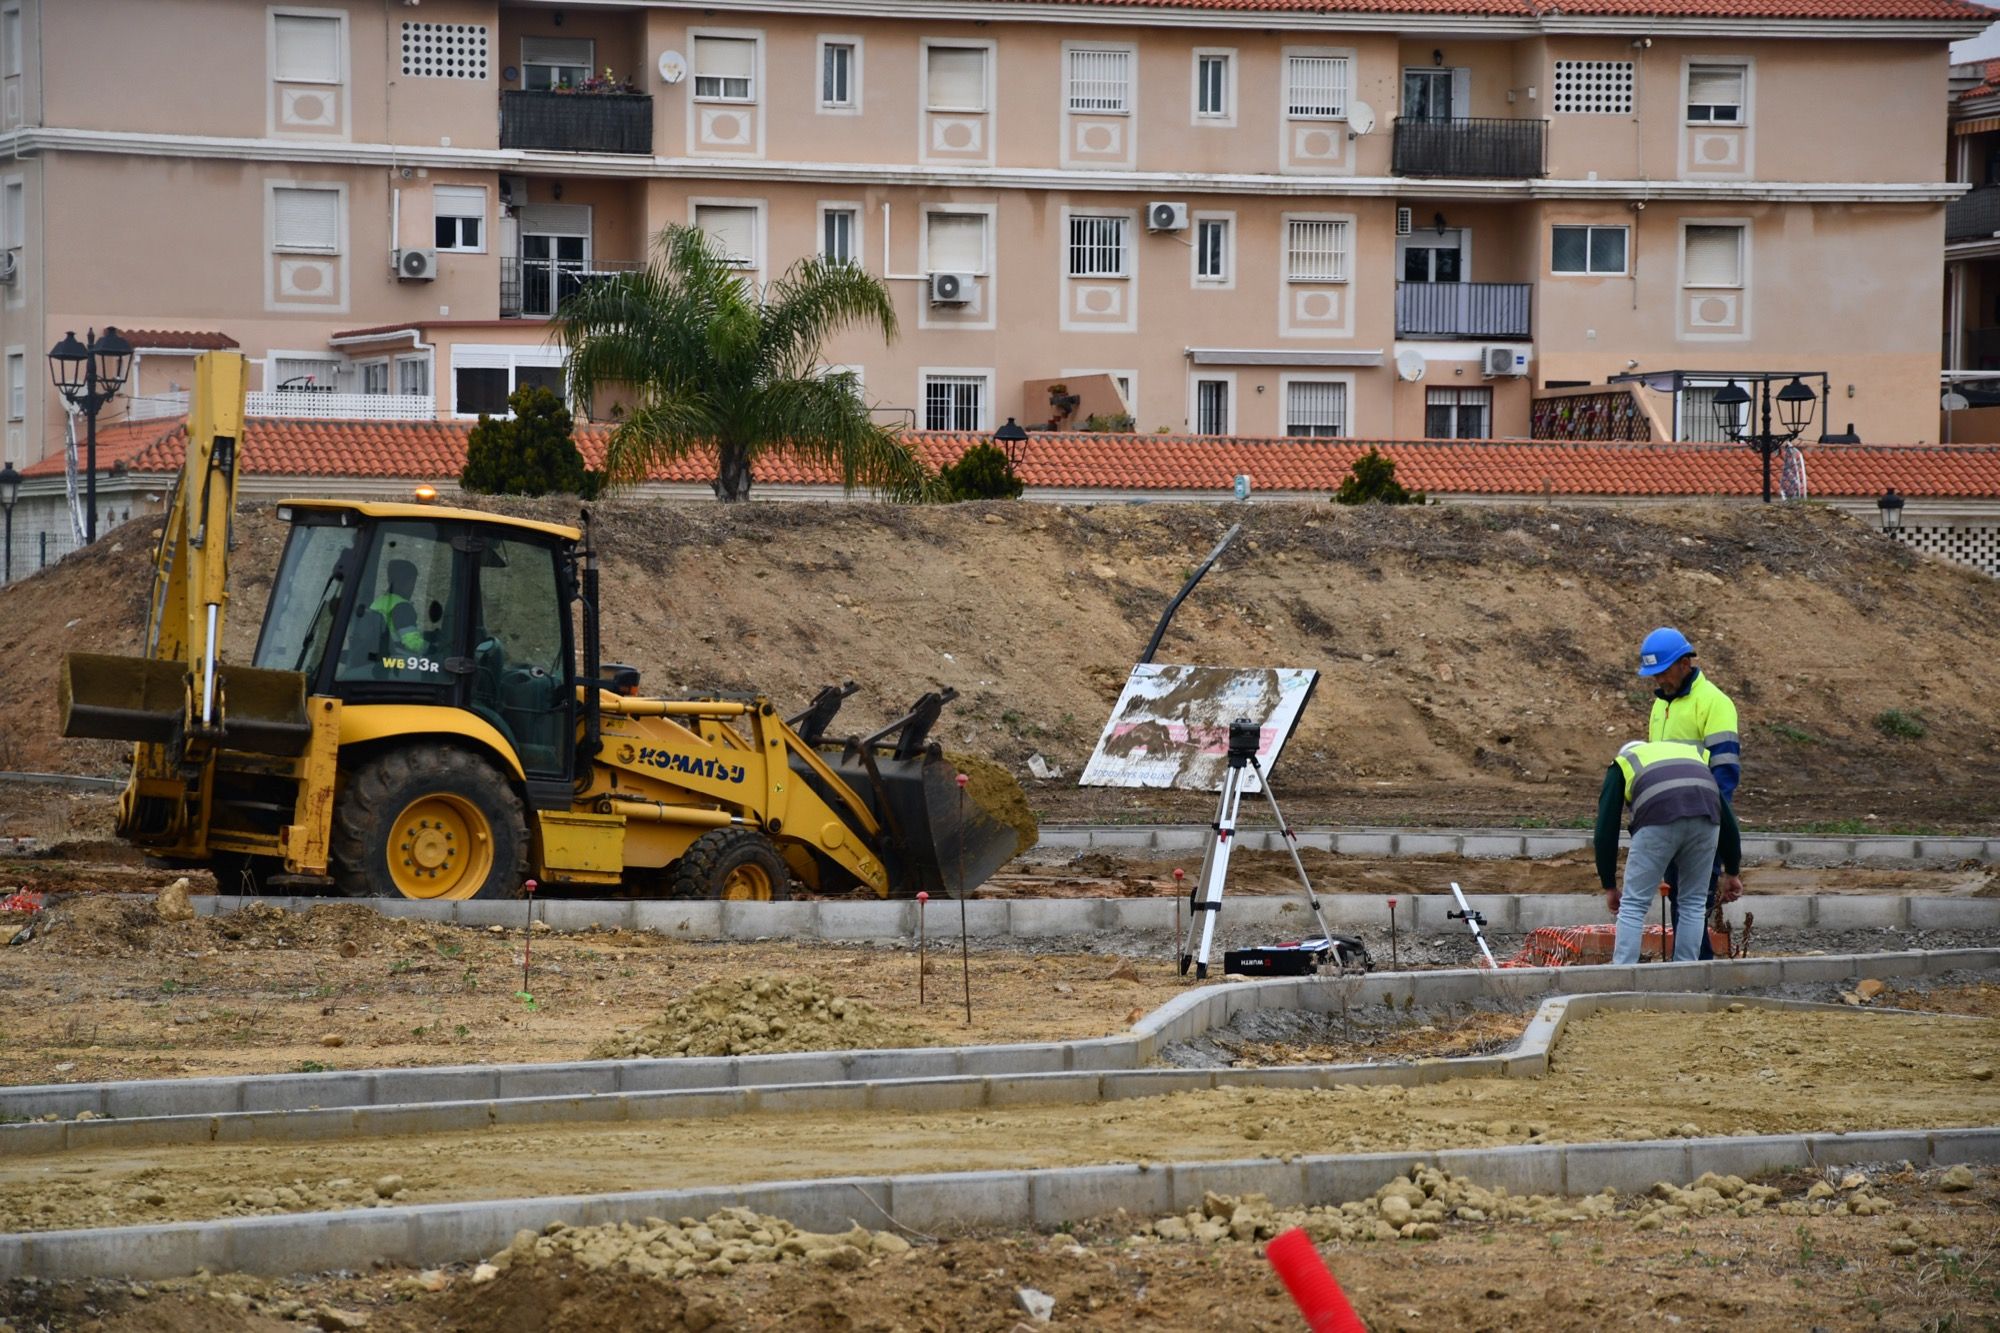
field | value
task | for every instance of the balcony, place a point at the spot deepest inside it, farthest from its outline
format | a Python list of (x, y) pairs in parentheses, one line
[(577, 122), (536, 288), (1488, 310), (308, 404), (1974, 215), (1470, 146)]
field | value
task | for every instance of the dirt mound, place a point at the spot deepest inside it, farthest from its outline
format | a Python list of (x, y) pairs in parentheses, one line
[(105, 925), (762, 1014)]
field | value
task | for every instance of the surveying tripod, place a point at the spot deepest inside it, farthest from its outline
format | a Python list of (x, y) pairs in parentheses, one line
[(1205, 902)]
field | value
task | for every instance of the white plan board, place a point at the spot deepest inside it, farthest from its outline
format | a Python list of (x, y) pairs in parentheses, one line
[(1171, 725)]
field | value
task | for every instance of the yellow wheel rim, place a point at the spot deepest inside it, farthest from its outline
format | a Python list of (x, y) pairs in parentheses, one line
[(749, 883), (440, 847)]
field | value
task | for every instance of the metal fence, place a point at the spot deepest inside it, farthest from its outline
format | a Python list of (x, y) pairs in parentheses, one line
[(1974, 215), (1463, 310), (538, 287), (1470, 146), (36, 551)]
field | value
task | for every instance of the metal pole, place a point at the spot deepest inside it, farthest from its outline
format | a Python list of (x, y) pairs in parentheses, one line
[(1764, 439), (9, 576), (90, 447)]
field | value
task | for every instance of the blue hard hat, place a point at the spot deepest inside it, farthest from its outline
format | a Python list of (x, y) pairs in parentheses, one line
[(1662, 648)]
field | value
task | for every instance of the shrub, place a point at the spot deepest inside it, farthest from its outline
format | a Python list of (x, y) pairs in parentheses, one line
[(1116, 423), (981, 473), (529, 453), (1908, 726), (1372, 480)]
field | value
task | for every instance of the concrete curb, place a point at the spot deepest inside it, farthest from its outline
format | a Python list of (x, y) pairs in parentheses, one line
[(336, 1105), (432, 1234)]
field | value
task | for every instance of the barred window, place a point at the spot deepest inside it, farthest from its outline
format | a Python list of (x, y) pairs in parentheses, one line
[(1315, 251), (1316, 87), (1211, 407), (1097, 247), (1457, 414), (954, 402), (1099, 81), (1316, 408)]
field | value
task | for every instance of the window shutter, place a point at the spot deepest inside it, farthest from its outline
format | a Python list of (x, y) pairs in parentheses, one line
[(724, 57), (458, 201), (1461, 93), (307, 49), (957, 242), (14, 216), (732, 229), (957, 78), (1714, 257), (577, 51), (1712, 84), (306, 219), (1316, 407)]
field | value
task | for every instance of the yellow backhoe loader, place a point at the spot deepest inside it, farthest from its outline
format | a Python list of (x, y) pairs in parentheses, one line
[(415, 722)]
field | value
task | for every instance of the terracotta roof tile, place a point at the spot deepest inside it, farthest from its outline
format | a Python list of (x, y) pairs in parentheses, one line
[(1208, 465), (147, 340), (1989, 83), (1529, 9)]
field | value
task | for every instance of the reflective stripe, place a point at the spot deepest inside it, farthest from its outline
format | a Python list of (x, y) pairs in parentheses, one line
[(1665, 785), (1716, 738)]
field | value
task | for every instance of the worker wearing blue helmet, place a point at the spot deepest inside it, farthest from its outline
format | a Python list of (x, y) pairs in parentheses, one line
[(1688, 707)]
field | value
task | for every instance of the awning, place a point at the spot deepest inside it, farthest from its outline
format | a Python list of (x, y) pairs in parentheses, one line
[(1280, 356), (1980, 126)]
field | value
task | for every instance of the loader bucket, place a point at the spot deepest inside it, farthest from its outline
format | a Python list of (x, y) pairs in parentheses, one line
[(144, 699), (941, 843)]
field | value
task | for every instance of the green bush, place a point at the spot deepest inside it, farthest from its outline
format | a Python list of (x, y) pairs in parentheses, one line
[(1372, 480), (1909, 726), (981, 473), (529, 453), (1115, 423)]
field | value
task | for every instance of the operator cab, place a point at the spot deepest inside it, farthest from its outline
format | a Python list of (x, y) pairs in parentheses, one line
[(412, 604)]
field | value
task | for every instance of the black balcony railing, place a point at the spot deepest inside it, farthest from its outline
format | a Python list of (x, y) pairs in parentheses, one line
[(1974, 215), (1463, 310), (577, 122), (538, 287), (1470, 146)]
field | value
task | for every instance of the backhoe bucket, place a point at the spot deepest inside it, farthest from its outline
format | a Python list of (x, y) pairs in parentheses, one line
[(144, 699), (941, 842)]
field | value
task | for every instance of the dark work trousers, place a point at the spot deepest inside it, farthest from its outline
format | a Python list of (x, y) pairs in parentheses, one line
[(1673, 899)]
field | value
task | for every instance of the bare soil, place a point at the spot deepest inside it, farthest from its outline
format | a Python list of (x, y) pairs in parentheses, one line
[(1477, 661)]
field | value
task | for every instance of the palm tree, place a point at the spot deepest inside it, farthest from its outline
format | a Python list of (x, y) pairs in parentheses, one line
[(708, 365)]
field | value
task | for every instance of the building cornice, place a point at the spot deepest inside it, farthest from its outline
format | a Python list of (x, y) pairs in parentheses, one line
[(42, 140)]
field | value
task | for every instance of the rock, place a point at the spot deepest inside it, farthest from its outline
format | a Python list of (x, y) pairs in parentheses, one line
[(172, 902), (841, 1258), (1869, 988), (1064, 988), (887, 1242), (1124, 972), (1849, 997), (386, 1187), (1396, 1210), (1820, 1190), (484, 1273), (336, 1321), (1902, 1245), (1957, 1180), (1038, 1306), (1980, 1073), (1853, 1180), (333, 1039)]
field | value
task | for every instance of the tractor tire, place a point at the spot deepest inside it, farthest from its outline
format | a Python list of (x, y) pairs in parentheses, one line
[(731, 864), (429, 823)]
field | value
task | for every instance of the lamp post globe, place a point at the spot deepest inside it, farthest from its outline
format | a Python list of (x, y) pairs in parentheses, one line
[(10, 489), (1013, 442), (69, 366), (110, 360), (1731, 405), (1795, 407), (88, 374), (1891, 509)]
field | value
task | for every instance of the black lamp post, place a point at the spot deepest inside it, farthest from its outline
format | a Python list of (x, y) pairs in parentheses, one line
[(89, 376), (10, 487), (1890, 505), (1013, 442), (1734, 411)]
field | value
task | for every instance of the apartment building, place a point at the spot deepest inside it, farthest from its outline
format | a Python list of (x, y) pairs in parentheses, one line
[(1378, 218)]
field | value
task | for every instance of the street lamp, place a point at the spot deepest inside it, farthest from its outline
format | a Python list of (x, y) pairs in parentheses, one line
[(10, 487), (1890, 505), (1733, 412), (1013, 442), (89, 374)]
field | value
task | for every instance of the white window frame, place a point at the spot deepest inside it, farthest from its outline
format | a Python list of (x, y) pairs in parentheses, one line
[(854, 238), (987, 234), (1742, 104), (1347, 428), (438, 211), (926, 104), (1227, 281), (278, 357), (1225, 118), (1344, 251), (1342, 59), (373, 363), (1121, 225), (1456, 407), (17, 383), (925, 374), (14, 213), (852, 106), (499, 356), (756, 40), (340, 56), (1587, 271), (1127, 90), (11, 59), (422, 360), (336, 188), (589, 66), (1199, 377), (762, 240), (1741, 226)]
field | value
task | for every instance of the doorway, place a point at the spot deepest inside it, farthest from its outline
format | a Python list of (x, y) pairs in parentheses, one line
[(1434, 255)]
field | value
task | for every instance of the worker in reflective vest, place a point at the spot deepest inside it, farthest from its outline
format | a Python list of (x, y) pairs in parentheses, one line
[(1687, 706), (396, 609), (1679, 820)]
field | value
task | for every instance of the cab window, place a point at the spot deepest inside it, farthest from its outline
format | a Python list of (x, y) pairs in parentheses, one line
[(521, 676), (399, 630)]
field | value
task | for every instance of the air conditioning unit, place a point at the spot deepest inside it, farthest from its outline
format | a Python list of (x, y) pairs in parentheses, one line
[(1402, 222), (953, 288), (1166, 217), (416, 265), (1501, 363), (10, 267)]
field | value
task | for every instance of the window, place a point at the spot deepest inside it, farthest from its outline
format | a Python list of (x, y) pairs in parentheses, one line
[(305, 220), (1316, 87), (10, 42), (461, 217), (1315, 250), (17, 385), (413, 375), (521, 674), (445, 50), (1593, 88), (1211, 86), (556, 62), (731, 230), (540, 377), (1696, 417), (1097, 247), (836, 75), (374, 377), (1587, 250), (1099, 81), (1427, 94), (954, 402), (13, 215), (393, 635), (303, 374), (1316, 408), (1712, 257), (836, 242), (483, 376), (724, 68), (480, 391), (955, 242), (955, 78), (305, 49), (1715, 94), (1457, 414), (1211, 250), (1211, 407)]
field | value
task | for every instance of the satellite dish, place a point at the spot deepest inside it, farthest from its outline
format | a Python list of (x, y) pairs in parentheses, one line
[(1360, 118), (673, 67), (1955, 402), (1410, 365)]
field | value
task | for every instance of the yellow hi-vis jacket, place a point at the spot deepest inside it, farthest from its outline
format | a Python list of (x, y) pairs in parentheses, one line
[(1668, 780)]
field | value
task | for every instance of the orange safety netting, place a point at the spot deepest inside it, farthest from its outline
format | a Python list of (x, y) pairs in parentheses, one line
[(1576, 946)]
